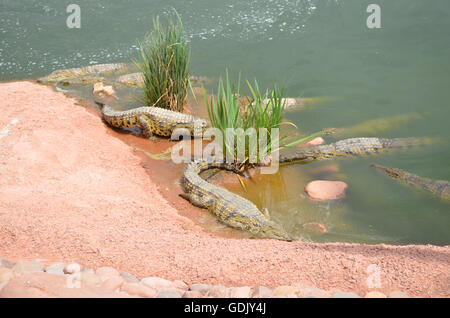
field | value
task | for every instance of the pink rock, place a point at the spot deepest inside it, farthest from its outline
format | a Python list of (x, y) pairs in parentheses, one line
[(326, 190), (375, 294), (106, 272), (98, 88), (180, 285), (262, 292), (38, 284), (313, 292), (139, 290), (6, 274), (157, 283), (285, 291), (240, 292), (113, 283), (315, 142), (108, 90), (192, 294), (218, 291)]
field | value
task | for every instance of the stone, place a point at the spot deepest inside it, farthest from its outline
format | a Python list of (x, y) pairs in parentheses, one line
[(201, 288), (106, 272), (284, 291), (72, 268), (180, 285), (168, 294), (56, 269), (397, 294), (315, 142), (98, 88), (315, 228), (262, 292), (240, 292), (192, 294), (157, 283), (108, 90), (43, 285), (139, 290), (27, 266), (345, 295), (313, 292), (89, 278), (326, 190), (375, 294), (6, 274), (217, 291), (113, 283), (129, 278), (6, 263)]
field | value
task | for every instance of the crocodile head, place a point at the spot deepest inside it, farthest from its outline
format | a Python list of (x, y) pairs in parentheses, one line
[(393, 172), (274, 231)]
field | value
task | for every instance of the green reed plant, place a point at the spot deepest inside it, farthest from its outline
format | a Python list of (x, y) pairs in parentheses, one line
[(256, 110), (164, 62)]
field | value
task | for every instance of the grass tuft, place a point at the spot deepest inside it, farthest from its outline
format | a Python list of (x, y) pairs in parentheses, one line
[(256, 110), (164, 62)]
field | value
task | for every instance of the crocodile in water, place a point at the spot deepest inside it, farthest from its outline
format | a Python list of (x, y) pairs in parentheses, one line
[(439, 188), (83, 75), (351, 147)]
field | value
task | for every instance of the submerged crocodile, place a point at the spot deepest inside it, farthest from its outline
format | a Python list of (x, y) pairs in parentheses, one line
[(83, 75), (379, 125), (351, 147), (154, 120), (231, 209), (439, 188)]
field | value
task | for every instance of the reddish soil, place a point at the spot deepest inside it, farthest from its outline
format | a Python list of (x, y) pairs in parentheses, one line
[(71, 190)]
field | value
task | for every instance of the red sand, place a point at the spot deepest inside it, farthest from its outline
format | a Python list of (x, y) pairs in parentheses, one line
[(71, 191)]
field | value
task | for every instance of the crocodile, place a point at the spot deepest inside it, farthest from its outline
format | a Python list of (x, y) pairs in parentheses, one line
[(439, 188), (351, 147), (154, 120), (92, 73), (379, 125), (231, 209)]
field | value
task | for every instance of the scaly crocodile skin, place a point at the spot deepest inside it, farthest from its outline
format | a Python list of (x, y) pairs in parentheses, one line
[(351, 147), (154, 120), (230, 209), (439, 188)]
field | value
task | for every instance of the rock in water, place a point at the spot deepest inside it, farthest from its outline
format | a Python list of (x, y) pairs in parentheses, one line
[(326, 190), (315, 228)]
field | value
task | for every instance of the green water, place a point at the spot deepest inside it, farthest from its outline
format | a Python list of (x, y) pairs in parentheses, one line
[(316, 49)]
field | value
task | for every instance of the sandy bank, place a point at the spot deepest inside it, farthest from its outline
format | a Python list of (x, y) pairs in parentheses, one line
[(69, 190)]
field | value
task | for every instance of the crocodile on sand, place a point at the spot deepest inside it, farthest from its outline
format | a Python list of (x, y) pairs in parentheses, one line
[(154, 120), (439, 188), (231, 209)]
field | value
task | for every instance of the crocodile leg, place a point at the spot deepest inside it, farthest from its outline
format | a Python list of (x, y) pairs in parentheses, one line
[(146, 125), (201, 202)]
